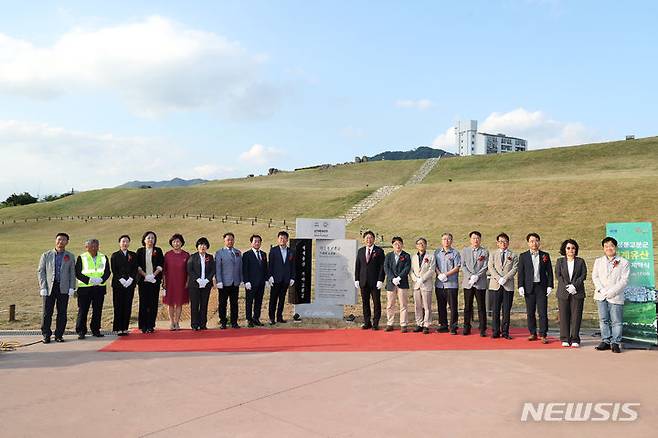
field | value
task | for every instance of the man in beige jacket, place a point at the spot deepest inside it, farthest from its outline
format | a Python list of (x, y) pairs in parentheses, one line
[(503, 265), (610, 277), (422, 277)]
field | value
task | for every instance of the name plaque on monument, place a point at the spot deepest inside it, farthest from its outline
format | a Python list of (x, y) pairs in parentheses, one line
[(320, 228), (334, 271)]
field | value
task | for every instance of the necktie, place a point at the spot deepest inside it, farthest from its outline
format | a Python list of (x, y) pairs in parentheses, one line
[(368, 255), (502, 258), (258, 256)]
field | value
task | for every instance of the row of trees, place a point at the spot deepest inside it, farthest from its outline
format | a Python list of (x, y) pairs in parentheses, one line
[(25, 198)]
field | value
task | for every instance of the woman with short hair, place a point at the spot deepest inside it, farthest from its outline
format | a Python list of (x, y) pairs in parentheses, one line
[(124, 279), (200, 280), (571, 272), (150, 261), (174, 280)]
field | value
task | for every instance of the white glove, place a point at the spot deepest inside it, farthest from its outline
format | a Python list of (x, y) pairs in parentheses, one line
[(271, 281), (95, 280), (443, 277), (247, 286), (43, 292), (549, 290), (241, 284), (203, 282), (419, 283), (220, 285), (150, 278), (71, 292), (163, 292), (357, 285), (522, 291), (379, 284), (291, 282), (123, 282), (474, 278), (571, 289), (502, 281), (396, 281), (129, 281)]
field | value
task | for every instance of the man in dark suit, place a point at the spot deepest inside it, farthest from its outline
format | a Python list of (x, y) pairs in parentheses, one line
[(369, 278), (282, 276), (124, 275), (397, 265), (254, 275), (536, 284)]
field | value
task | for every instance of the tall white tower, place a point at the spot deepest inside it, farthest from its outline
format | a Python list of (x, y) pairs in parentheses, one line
[(465, 132)]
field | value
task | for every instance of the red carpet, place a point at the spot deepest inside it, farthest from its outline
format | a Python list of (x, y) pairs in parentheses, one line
[(266, 340)]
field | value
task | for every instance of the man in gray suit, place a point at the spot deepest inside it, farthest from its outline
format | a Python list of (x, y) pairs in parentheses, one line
[(503, 265), (229, 279), (56, 276), (474, 282)]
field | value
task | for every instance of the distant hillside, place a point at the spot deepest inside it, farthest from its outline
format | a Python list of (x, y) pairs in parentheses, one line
[(176, 182), (420, 153)]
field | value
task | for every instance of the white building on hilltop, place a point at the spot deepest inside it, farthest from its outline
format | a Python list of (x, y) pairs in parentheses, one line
[(471, 142)]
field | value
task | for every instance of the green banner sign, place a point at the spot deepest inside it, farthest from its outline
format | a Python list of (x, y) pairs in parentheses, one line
[(635, 243)]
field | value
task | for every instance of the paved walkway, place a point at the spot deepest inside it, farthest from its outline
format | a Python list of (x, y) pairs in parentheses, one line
[(71, 389)]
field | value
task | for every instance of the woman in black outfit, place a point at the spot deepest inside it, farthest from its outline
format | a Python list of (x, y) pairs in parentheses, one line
[(150, 261)]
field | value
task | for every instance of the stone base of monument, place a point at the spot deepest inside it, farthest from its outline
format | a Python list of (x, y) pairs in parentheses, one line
[(318, 310)]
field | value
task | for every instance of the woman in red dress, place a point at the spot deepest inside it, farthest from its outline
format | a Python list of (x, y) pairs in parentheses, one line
[(175, 280)]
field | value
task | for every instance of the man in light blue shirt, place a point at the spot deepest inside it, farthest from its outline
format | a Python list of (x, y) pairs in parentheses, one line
[(229, 279), (447, 264)]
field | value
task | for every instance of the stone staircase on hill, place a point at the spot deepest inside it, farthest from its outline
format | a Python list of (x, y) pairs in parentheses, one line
[(378, 195)]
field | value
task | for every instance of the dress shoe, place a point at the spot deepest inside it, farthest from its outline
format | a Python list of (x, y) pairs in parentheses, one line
[(603, 346), (565, 344), (418, 329), (151, 330), (532, 337), (203, 327), (282, 321), (452, 332), (442, 330), (98, 335), (122, 333), (495, 336), (258, 323), (507, 336), (250, 324), (223, 326), (403, 329), (144, 330), (58, 339), (467, 332), (196, 329), (235, 326), (366, 326), (272, 322), (426, 331), (46, 339), (483, 334), (575, 345), (389, 328), (375, 327), (544, 340), (81, 336), (615, 348)]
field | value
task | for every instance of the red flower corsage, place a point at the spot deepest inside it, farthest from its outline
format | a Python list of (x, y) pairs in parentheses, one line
[(155, 253), (290, 258), (615, 263), (66, 258), (545, 259), (130, 258), (401, 257), (481, 259), (427, 260), (509, 257)]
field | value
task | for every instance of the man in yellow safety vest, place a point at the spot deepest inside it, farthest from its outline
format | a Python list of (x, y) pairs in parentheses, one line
[(92, 269)]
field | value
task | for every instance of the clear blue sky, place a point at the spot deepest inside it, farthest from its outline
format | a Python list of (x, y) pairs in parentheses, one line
[(97, 93)]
